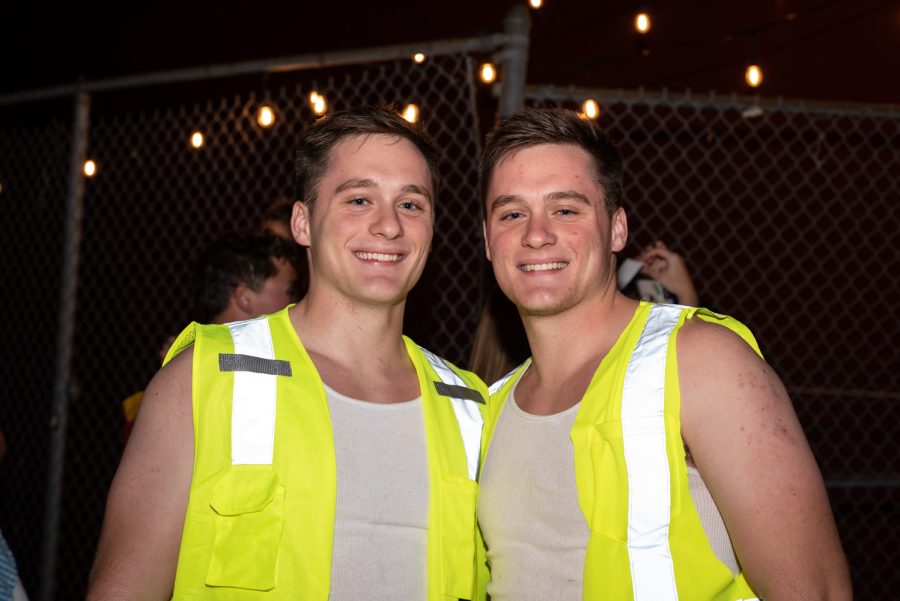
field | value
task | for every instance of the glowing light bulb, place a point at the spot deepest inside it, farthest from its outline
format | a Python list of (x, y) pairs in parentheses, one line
[(590, 108), (488, 73), (535, 4), (411, 113), (314, 97), (642, 22), (319, 105), (265, 116), (419, 57), (90, 168), (754, 76), (197, 139)]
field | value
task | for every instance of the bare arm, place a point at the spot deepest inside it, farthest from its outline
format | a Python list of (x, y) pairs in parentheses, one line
[(747, 443), (139, 544)]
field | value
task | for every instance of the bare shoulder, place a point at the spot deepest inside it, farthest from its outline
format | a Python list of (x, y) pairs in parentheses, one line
[(702, 341), (715, 365), (138, 549), (742, 432)]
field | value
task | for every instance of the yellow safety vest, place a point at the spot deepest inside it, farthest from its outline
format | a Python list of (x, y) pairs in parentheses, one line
[(260, 518), (646, 540)]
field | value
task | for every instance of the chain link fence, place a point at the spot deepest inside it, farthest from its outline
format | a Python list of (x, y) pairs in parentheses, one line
[(786, 215), (153, 204), (33, 176)]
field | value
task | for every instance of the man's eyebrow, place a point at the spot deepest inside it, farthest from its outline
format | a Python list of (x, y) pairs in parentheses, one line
[(355, 183), (417, 189), (501, 201), (568, 195)]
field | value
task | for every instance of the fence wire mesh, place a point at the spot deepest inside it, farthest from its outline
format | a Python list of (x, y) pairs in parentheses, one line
[(153, 204), (787, 221), (34, 162)]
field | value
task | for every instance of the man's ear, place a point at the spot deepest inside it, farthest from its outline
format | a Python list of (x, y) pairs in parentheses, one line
[(242, 298), (487, 247), (619, 230), (300, 223)]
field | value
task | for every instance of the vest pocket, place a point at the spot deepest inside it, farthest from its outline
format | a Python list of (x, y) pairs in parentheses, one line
[(249, 514), (609, 514), (458, 536)]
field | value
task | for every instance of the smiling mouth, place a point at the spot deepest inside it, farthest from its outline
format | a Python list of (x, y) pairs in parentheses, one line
[(383, 257), (544, 266)]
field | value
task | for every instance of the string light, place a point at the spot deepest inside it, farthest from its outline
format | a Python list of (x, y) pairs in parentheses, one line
[(197, 139), (90, 168), (488, 72), (536, 4), (590, 108), (411, 113), (642, 22), (419, 57), (319, 106), (753, 76), (265, 116)]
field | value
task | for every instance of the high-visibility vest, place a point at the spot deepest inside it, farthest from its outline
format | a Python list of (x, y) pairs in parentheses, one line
[(646, 539), (260, 518)]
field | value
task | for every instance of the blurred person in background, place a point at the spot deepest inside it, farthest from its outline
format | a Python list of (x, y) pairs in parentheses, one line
[(277, 218), (240, 275), (10, 584), (666, 277)]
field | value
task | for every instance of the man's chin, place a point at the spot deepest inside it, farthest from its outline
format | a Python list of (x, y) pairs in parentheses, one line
[(545, 307)]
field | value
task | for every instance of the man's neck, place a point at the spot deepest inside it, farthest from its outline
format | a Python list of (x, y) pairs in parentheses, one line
[(567, 348), (357, 348)]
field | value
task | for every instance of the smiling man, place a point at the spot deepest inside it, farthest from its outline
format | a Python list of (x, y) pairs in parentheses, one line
[(623, 465), (315, 453)]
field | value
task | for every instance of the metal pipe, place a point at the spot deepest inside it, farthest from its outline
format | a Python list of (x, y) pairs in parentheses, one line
[(64, 343), (607, 95), (317, 60), (514, 60)]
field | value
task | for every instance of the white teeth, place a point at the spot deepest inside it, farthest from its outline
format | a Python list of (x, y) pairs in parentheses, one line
[(365, 256), (543, 266)]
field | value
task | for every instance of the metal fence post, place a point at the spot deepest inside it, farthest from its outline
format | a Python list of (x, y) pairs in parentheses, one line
[(517, 26), (64, 341)]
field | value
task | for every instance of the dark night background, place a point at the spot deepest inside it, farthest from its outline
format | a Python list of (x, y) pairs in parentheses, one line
[(840, 243), (835, 50)]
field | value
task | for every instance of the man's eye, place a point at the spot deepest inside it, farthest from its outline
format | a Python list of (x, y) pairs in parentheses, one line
[(511, 215), (409, 205), (566, 212), (358, 201)]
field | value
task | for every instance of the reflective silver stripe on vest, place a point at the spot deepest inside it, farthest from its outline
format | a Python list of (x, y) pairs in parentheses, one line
[(492, 390), (466, 410), (253, 402), (644, 438)]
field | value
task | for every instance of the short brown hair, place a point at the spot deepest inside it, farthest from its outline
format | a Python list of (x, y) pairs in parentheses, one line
[(312, 154), (532, 127)]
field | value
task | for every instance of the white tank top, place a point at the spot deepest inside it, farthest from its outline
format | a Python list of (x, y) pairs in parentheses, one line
[(381, 518), (535, 532)]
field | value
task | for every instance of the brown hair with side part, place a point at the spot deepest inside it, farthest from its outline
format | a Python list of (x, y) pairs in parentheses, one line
[(533, 127), (312, 153)]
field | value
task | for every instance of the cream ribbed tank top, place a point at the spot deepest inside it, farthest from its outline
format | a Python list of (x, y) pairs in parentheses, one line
[(529, 514), (381, 518)]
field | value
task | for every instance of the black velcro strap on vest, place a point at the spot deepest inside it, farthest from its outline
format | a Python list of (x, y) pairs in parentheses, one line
[(458, 392), (257, 365)]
